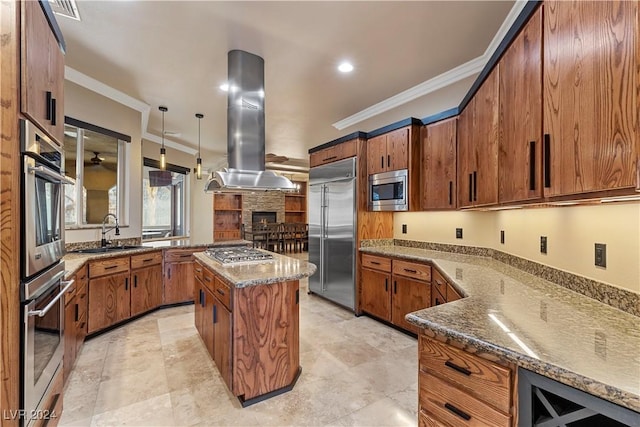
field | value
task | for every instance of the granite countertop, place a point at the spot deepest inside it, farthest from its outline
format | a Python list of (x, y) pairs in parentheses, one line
[(280, 269), (533, 323), (74, 261)]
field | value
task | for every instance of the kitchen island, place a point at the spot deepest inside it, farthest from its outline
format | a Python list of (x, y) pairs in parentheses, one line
[(247, 314), (508, 322)]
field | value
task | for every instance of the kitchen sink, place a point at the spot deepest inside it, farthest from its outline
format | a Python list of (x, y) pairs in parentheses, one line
[(105, 249)]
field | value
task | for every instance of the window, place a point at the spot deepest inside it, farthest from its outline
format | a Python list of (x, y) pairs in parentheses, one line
[(163, 201), (95, 158)]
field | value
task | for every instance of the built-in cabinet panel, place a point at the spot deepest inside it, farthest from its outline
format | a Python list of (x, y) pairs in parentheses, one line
[(146, 290), (227, 216), (388, 152), (375, 295), (178, 276), (590, 96), (109, 301), (520, 153), (438, 169), (333, 154)]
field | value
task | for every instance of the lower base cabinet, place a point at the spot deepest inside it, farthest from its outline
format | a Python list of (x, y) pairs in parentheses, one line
[(178, 276), (109, 301)]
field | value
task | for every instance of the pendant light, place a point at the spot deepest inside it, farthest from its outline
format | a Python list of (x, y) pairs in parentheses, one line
[(163, 152), (199, 160)]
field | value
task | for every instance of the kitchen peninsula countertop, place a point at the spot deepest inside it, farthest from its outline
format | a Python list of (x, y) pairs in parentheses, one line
[(533, 323), (280, 269)]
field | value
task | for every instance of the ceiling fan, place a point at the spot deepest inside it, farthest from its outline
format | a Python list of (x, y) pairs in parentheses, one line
[(96, 160)]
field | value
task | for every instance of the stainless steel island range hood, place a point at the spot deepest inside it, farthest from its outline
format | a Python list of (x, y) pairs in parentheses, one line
[(246, 130)]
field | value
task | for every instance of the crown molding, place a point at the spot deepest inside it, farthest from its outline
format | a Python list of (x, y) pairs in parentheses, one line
[(440, 81), (143, 108)]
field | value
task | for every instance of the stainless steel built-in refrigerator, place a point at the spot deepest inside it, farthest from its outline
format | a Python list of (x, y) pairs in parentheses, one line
[(332, 231)]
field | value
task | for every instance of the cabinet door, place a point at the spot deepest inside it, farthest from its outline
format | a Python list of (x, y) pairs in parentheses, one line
[(69, 337), (222, 340), (520, 153), (377, 154), (198, 298), (439, 165), (485, 141), (146, 292), (109, 301), (178, 282), (42, 72), (208, 328), (590, 96), (376, 293), (465, 156), (408, 296), (398, 150)]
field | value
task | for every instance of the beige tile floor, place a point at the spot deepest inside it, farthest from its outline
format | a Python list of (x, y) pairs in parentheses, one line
[(155, 371)]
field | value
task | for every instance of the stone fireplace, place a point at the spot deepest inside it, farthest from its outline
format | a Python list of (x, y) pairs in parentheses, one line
[(265, 217), (264, 201)]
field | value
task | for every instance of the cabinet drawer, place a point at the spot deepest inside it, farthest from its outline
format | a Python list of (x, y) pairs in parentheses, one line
[(223, 293), (412, 270), (82, 300), (452, 294), (198, 271), (145, 260), (208, 280), (178, 255), (439, 283), (436, 297), (453, 406), (376, 262), (479, 377), (108, 266), (71, 292)]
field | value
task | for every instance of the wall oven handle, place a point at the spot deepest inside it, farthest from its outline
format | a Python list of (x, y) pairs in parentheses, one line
[(43, 312), (41, 170)]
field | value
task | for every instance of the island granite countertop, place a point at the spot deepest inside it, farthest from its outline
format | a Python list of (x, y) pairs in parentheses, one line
[(533, 323), (280, 269)]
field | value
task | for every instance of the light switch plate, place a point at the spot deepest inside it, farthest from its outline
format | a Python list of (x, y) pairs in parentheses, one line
[(502, 236), (601, 255), (458, 233), (543, 244)]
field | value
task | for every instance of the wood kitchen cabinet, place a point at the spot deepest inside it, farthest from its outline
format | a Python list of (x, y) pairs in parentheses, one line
[(334, 153), (459, 388), (222, 330), (478, 146), (109, 300), (438, 172), (590, 96), (375, 286), (227, 216), (178, 276), (75, 320), (42, 70), (388, 152), (146, 281), (520, 124)]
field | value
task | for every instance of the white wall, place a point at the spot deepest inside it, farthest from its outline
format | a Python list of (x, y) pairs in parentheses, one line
[(571, 234)]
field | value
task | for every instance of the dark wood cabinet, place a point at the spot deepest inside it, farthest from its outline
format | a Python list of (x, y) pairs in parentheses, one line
[(478, 146), (42, 86), (520, 150), (590, 96), (409, 295), (333, 154), (178, 276), (70, 334), (438, 172), (376, 293), (388, 152), (109, 301), (222, 330), (146, 290)]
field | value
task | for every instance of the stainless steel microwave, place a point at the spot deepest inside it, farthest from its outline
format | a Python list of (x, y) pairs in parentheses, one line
[(388, 191)]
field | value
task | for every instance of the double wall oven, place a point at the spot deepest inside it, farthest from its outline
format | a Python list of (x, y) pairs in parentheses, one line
[(43, 284)]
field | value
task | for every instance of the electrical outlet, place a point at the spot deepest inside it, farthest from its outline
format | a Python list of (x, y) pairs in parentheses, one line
[(543, 244), (601, 255), (404, 228), (458, 233), (502, 236)]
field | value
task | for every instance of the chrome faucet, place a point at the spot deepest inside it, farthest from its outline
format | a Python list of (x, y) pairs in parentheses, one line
[(104, 242)]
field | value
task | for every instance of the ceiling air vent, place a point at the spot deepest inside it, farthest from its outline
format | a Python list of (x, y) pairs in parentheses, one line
[(66, 8)]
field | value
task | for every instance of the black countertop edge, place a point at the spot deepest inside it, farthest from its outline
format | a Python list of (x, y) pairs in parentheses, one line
[(53, 24), (394, 126), (338, 141), (447, 114)]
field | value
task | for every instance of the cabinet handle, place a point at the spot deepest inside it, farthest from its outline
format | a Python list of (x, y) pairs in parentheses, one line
[(135, 281), (185, 255), (326, 159), (388, 160), (126, 283), (53, 112), (457, 411), (147, 260), (450, 192), (201, 299), (382, 162), (374, 262), (532, 165), (395, 287), (198, 270), (207, 279), (475, 186), (110, 267), (455, 367), (49, 105), (220, 291), (215, 314), (75, 316), (471, 187), (547, 160), (438, 301), (409, 270), (439, 283), (169, 273), (386, 285)]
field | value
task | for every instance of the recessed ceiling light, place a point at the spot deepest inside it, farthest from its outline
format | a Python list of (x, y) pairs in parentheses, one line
[(345, 67), (224, 87)]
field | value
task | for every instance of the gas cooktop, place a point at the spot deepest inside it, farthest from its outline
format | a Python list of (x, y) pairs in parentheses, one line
[(236, 255)]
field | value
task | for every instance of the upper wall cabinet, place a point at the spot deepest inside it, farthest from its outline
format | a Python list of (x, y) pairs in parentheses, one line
[(591, 82), (520, 125), (333, 154), (478, 146), (388, 152), (438, 173), (42, 72)]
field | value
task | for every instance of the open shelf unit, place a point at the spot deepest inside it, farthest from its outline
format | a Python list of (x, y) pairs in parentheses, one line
[(227, 216), (295, 204)]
